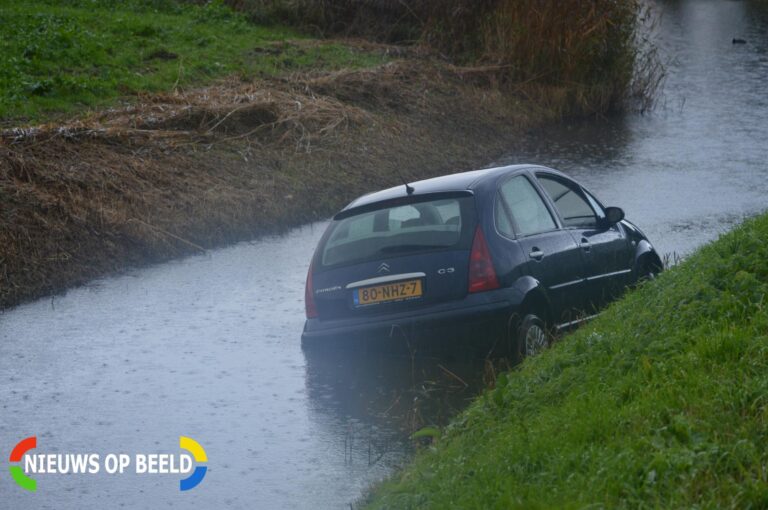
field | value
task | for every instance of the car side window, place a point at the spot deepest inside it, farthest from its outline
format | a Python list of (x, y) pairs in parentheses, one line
[(502, 219), (570, 202), (528, 210), (595, 205)]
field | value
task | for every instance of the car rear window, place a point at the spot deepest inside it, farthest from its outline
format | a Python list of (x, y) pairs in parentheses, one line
[(402, 229)]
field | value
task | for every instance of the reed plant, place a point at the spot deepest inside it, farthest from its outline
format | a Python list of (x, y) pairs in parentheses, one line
[(573, 56)]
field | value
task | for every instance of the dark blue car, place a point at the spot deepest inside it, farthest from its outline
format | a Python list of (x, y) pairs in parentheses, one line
[(520, 249)]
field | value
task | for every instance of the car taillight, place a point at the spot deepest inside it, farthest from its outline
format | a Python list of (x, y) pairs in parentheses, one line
[(309, 295), (482, 275)]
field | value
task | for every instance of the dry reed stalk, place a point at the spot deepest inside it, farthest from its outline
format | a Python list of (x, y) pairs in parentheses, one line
[(591, 48)]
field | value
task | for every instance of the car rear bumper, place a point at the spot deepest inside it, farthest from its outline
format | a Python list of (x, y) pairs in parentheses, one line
[(482, 310)]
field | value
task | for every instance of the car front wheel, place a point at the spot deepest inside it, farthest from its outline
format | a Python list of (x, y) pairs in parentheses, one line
[(647, 272)]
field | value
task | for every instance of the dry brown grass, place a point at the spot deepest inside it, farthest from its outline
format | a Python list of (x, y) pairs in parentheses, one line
[(180, 173), (582, 57)]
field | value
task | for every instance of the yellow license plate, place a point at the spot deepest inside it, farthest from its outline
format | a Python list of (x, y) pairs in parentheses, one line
[(399, 291)]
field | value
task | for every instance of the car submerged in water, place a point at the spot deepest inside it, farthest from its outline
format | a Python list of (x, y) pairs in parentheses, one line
[(522, 250)]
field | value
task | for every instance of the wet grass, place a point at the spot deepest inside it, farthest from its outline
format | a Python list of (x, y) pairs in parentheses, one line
[(64, 56), (660, 402)]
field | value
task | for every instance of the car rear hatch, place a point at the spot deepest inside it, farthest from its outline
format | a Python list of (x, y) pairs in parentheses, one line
[(394, 256)]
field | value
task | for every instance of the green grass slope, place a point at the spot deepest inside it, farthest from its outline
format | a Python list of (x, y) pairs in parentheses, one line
[(64, 55), (660, 402)]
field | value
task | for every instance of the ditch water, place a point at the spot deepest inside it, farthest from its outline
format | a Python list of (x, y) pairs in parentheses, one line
[(208, 347)]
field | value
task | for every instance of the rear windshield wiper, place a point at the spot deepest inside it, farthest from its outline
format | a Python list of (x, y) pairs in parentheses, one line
[(408, 247)]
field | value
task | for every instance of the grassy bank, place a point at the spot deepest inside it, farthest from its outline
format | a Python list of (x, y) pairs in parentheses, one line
[(64, 56), (576, 57), (180, 173), (660, 402)]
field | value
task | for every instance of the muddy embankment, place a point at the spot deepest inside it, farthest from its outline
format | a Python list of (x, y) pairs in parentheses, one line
[(182, 173)]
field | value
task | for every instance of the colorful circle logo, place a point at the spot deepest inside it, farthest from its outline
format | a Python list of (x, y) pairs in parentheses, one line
[(193, 447), (17, 473)]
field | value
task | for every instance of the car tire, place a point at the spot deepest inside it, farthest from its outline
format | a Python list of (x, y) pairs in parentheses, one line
[(532, 336), (646, 272)]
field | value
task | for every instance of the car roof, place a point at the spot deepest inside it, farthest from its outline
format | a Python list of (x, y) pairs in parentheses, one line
[(446, 183)]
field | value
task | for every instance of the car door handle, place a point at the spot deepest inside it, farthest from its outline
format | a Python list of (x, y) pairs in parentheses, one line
[(585, 244), (536, 254)]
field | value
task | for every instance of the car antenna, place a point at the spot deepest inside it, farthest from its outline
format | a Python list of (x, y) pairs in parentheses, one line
[(408, 188)]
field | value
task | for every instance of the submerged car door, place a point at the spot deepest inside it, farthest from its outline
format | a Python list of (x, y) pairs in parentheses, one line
[(550, 254), (604, 248)]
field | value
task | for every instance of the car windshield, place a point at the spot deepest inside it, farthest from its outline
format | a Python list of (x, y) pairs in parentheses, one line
[(419, 226)]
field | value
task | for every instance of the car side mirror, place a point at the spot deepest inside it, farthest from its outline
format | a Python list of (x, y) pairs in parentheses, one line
[(613, 215)]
